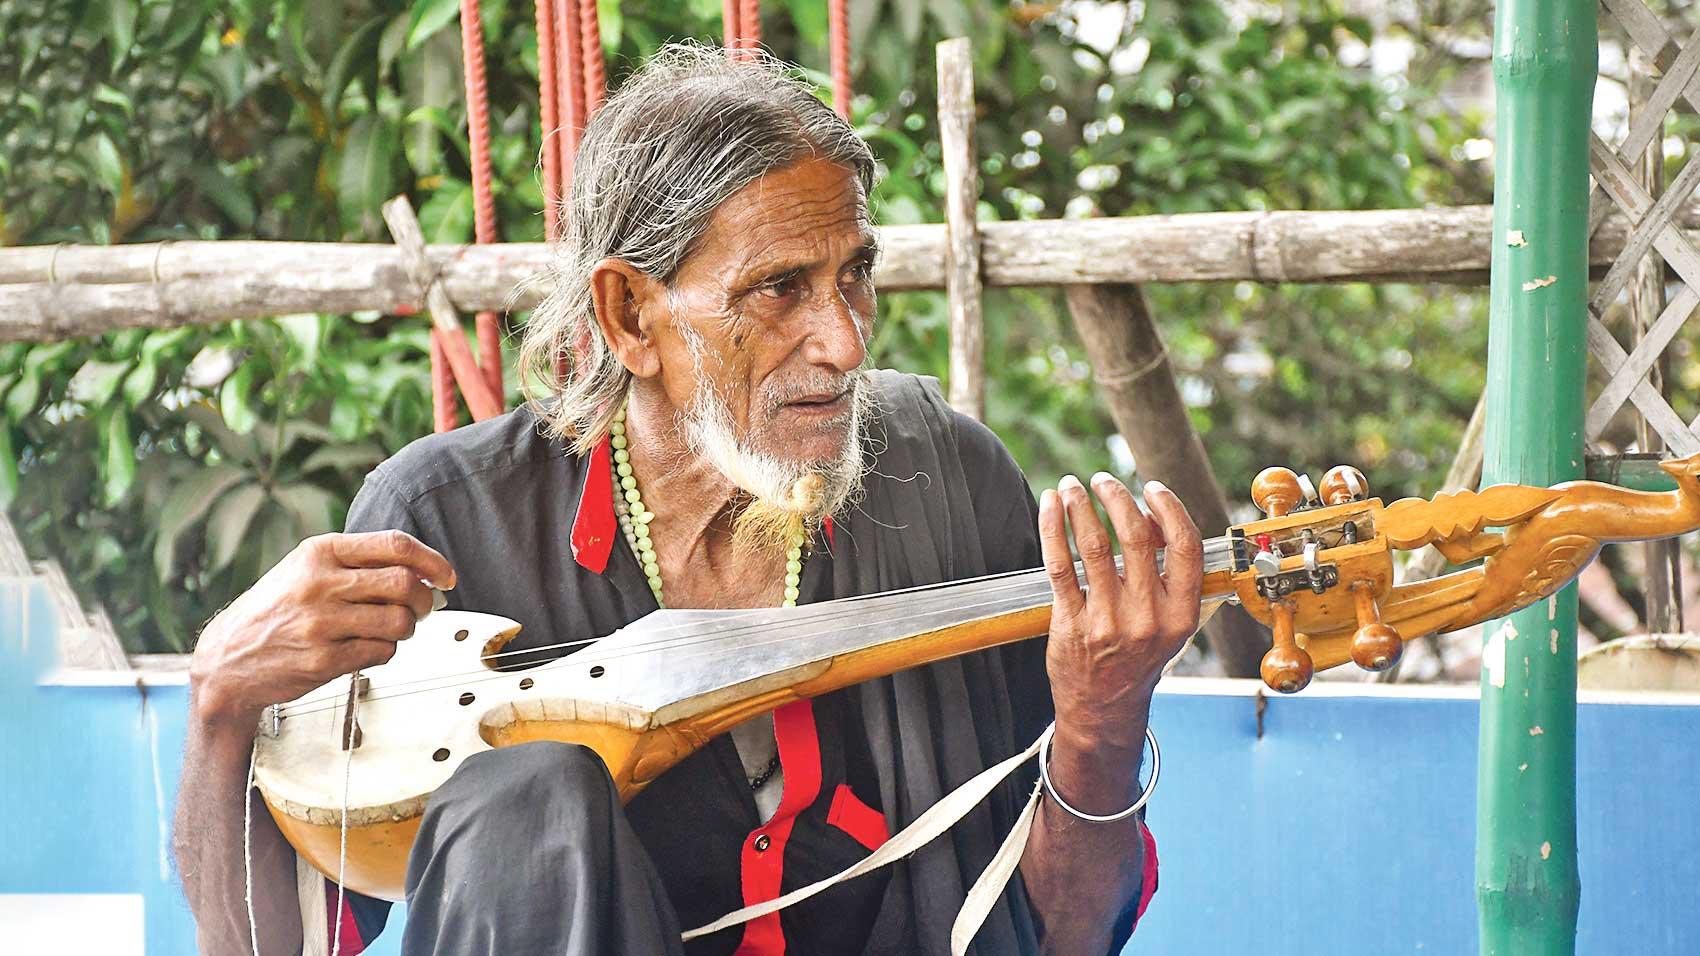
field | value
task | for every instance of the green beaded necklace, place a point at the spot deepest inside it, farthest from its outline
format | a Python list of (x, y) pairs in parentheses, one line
[(635, 519)]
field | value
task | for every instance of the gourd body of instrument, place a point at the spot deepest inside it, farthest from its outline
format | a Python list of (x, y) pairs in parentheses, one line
[(1319, 570)]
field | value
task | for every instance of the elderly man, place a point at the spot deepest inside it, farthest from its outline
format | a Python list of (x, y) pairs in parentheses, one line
[(716, 442)]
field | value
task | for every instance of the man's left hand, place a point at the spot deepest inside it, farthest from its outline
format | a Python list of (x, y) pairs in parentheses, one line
[(1109, 643)]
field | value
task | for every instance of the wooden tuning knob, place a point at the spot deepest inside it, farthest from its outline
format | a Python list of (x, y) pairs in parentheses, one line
[(1343, 483), (1276, 491), (1376, 646), (1286, 667)]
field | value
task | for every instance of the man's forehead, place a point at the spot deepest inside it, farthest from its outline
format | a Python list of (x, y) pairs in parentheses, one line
[(794, 211)]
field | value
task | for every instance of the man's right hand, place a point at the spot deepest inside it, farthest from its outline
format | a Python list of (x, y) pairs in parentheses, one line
[(337, 603)]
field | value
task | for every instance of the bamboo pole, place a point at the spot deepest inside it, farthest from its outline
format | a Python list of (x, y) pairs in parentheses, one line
[(53, 292), (1545, 58), (961, 208)]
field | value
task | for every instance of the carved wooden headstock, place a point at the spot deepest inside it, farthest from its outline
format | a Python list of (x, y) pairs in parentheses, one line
[(1318, 568)]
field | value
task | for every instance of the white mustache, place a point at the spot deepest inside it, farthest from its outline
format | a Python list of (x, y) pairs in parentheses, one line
[(851, 384)]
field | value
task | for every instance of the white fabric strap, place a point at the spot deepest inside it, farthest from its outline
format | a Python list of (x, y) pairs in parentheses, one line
[(927, 827), (988, 889), (315, 915)]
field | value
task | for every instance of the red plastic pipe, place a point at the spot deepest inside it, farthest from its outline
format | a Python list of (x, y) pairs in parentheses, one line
[(549, 117), (483, 202), (590, 51), (838, 34), (569, 74), (749, 24)]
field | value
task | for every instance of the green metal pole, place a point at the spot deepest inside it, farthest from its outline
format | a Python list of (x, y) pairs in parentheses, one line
[(1545, 56)]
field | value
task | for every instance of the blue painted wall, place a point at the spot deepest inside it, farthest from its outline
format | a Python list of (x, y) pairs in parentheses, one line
[(1346, 828)]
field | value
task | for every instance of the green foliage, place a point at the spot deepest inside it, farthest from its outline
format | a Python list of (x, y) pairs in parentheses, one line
[(166, 470)]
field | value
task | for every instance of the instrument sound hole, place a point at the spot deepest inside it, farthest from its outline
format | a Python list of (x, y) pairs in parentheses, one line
[(460, 635), (441, 755), (597, 671), (466, 698), (525, 683)]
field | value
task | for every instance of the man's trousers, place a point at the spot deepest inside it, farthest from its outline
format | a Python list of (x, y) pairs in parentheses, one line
[(527, 850)]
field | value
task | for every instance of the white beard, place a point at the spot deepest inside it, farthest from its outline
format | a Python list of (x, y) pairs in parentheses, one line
[(787, 498)]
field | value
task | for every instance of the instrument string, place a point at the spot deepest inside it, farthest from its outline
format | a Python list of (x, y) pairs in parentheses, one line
[(701, 644), (342, 844), (248, 851), (760, 619), (994, 588)]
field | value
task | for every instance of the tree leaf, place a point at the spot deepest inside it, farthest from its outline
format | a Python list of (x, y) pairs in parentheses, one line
[(366, 175), (355, 53), (106, 164), (22, 397), (429, 16), (278, 533), (227, 524), (112, 97), (121, 27), (139, 384), (231, 199), (611, 23), (343, 458), (391, 42), (120, 470), (313, 507), (8, 467), (235, 403), (95, 382), (305, 330), (188, 504), (447, 216)]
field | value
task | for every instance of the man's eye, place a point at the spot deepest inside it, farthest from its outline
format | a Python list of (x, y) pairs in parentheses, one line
[(860, 272), (778, 288)]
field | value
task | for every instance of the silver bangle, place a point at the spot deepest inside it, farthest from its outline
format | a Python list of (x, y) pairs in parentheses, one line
[(1150, 785)]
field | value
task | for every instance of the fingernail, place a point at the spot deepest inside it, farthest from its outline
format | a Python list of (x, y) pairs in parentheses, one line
[(1069, 481), (1102, 477), (1156, 486), (438, 599), (1047, 498)]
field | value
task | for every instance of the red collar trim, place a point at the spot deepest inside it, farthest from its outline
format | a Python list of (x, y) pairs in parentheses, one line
[(594, 524), (595, 527)]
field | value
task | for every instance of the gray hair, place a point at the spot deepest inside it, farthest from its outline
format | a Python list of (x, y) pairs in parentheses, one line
[(682, 135)]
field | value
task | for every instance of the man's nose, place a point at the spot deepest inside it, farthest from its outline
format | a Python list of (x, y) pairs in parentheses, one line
[(837, 335)]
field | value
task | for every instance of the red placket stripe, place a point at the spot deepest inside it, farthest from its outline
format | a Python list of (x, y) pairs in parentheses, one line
[(762, 866), (594, 524)]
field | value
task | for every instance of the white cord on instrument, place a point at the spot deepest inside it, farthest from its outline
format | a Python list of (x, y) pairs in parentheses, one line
[(347, 777), (248, 850)]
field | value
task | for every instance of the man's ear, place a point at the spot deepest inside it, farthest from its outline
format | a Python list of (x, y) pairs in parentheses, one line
[(622, 295)]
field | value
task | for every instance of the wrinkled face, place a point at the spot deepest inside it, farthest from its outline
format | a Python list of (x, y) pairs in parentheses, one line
[(771, 315)]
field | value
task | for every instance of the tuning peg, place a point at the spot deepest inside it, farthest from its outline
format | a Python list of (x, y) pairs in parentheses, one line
[(1343, 483), (1376, 646), (1276, 491), (1286, 667)]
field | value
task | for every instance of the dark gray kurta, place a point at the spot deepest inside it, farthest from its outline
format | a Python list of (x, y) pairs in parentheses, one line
[(943, 501)]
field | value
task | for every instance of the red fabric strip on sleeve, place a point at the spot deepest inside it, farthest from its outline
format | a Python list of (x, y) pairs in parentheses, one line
[(850, 814), (1148, 875)]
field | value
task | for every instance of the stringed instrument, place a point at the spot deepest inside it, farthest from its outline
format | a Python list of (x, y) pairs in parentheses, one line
[(1318, 570)]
